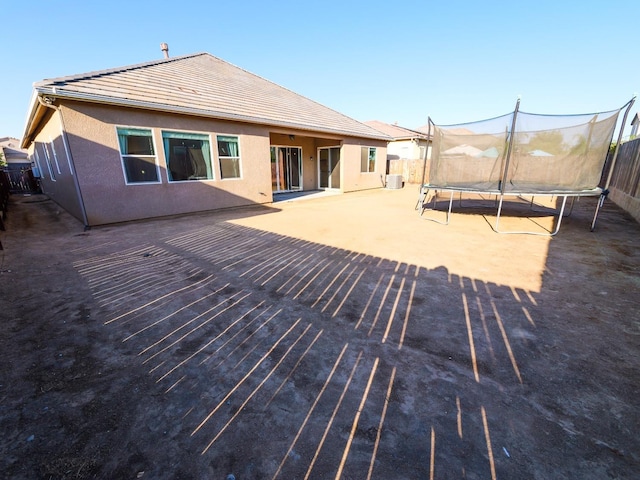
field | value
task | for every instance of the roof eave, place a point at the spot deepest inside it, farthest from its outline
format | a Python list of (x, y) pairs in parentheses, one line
[(52, 91), (397, 133), (417, 136), (34, 114)]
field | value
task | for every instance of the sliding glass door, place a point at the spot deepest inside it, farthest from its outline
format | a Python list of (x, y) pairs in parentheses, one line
[(329, 167), (286, 169)]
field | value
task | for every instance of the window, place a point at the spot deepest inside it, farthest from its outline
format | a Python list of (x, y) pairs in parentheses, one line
[(138, 155), (47, 159), (37, 170), (55, 156), (368, 159), (229, 157), (425, 151), (188, 156)]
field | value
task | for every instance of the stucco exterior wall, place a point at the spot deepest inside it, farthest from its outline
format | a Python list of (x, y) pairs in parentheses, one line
[(49, 153), (352, 178), (91, 130), (308, 145), (403, 149), (101, 194)]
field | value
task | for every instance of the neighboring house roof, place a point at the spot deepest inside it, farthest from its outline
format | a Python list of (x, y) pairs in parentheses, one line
[(395, 131), (203, 85), (424, 129), (452, 131), (10, 149)]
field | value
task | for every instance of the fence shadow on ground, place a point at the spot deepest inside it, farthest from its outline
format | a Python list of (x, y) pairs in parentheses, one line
[(308, 361)]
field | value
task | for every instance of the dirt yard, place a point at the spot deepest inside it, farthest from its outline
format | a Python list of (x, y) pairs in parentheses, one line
[(332, 337)]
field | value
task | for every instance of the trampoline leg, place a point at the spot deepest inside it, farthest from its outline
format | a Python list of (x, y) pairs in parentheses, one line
[(550, 234), (450, 205), (446, 222), (564, 203), (420, 202), (595, 216), (423, 197), (498, 215)]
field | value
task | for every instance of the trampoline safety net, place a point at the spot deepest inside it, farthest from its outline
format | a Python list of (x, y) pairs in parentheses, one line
[(523, 153), (546, 153)]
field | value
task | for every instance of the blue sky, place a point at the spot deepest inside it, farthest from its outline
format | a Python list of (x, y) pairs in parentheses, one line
[(395, 61)]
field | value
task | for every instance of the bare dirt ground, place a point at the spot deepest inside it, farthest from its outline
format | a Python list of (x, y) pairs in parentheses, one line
[(333, 337)]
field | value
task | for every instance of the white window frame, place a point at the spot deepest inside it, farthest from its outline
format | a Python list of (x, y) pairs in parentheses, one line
[(239, 157), (63, 138), (375, 161), (166, 158), (55, 155), (37, 161), (122, 156), (330, 159), (47, 160)]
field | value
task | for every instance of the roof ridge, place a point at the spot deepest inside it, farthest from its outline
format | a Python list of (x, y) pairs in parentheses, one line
[(99, 73)]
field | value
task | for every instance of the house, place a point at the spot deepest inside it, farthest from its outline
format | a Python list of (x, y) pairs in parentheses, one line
[(16, 167), (634, 126), (187, 134), (405, 152), (14, 156)]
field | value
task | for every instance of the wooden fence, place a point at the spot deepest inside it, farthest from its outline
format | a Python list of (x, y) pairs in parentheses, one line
[(21, 181), (411, 170), (626, 174), (5, 190)]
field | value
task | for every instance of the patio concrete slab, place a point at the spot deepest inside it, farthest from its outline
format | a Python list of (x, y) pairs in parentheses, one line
[(333, 337)]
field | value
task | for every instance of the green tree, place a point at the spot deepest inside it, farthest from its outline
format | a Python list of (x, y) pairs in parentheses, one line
[(550, 141), (580, 146)]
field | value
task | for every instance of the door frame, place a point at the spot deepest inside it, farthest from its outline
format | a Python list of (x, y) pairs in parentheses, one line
[(329, 183), (300, 168)]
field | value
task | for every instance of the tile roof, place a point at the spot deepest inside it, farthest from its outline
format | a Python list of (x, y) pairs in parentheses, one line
[(424, 129), (395, 131), (10, 148), (201, 84)]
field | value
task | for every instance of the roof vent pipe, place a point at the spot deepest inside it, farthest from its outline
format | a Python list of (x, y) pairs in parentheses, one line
[(165, 49)]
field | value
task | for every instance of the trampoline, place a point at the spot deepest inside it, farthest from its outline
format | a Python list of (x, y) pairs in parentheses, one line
[(522, 155)]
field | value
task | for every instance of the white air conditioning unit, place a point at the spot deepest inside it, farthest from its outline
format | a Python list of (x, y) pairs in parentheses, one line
[(394, 182)]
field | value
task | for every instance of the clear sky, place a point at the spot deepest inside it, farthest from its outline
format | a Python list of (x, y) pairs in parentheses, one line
[(394, 61)]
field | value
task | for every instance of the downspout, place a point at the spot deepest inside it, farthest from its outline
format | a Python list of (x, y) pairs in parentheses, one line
[(47, 102)]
